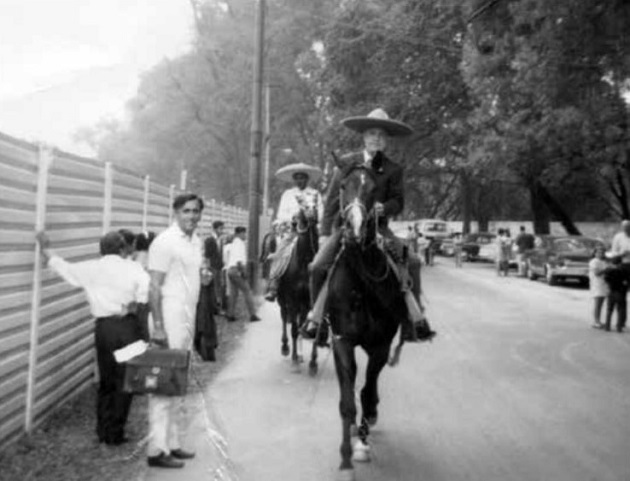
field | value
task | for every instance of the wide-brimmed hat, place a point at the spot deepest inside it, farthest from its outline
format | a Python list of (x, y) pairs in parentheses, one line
[(287, 172), (378, 118)]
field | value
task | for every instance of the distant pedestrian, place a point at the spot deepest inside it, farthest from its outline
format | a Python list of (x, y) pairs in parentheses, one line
[(597, 284), (213, 248), (504, 252), (412, 239), (237, 276), (114, 286), (524, 243), (617, 280), (175, 261), (423, 245), (458, 244)]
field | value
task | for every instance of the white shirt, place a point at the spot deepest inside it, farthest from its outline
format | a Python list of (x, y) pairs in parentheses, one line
[(292, 199), (621, 244), (111, 283), (180, 258), (238, 253)]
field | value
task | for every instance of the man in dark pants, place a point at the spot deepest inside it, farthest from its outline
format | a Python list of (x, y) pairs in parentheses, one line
[(115, 286), (376, 129), (616, 277), (213, 247)]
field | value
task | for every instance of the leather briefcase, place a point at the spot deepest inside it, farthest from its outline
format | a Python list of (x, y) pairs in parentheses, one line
[(158, 371)]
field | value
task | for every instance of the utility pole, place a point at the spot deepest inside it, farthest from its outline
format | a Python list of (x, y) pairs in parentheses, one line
[(256, 146), (267, 148)]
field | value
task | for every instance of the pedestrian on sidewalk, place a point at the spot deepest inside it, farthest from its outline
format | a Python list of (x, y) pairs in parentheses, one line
[(458, 245), (175, 261), (213, 249), (114, 286), (504, 252), (524, 243), (237, 276), (597, 284), (617, 279)]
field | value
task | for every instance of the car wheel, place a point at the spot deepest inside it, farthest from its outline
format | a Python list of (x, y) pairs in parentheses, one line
[(551, 279), (530, 272)]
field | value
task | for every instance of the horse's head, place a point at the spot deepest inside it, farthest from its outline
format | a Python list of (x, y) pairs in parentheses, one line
[(357, 199)]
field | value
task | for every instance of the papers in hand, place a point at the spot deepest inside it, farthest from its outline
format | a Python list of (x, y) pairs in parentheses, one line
[(130, 351)]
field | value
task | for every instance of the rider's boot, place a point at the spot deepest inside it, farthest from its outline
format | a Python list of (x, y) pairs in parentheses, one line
[(272, 290)]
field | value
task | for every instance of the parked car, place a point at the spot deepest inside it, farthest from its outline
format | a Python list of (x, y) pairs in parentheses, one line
[(558, 258), (473, 244), (435, 230)]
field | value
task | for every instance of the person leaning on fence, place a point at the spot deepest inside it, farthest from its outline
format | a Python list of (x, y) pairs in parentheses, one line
[(237, 276), (301, 197), (114, 286), (175, 261)]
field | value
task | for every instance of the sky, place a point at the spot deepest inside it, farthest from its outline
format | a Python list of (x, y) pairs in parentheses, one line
[(65, 64)]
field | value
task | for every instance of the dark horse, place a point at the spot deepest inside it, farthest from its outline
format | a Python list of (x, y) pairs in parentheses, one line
[(365, 306), (293, 288)]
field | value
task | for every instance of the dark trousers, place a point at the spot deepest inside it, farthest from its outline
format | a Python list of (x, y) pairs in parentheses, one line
[(616, 300), (112, 407)]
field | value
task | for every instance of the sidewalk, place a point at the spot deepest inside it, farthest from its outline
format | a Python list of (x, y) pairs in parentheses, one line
[(262, 418)]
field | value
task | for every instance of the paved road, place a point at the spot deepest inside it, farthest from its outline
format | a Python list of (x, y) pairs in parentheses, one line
[(517, 386)]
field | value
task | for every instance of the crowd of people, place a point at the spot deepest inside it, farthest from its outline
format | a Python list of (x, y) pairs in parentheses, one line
[(166, 289)]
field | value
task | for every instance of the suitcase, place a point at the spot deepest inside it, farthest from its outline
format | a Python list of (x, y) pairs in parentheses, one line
[(158, 371)]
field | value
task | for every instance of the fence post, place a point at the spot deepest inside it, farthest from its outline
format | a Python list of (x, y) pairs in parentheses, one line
[(145, 203), (171, 198), (45, 159), (107, 198)]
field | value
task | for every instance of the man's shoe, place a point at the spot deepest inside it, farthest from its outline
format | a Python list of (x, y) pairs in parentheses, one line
[(181, 454), (309, 331), (164, 461), (254, 318), (271, 296)]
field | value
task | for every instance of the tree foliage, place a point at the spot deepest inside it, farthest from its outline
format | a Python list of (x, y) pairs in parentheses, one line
[(519, 106)]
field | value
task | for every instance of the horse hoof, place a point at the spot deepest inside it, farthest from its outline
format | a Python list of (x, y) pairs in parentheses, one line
[(361, 452), (312, 369), (345, 475), (285, 350)]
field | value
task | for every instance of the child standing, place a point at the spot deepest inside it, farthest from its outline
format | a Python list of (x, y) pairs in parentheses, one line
[(617, 280), (598, 286)]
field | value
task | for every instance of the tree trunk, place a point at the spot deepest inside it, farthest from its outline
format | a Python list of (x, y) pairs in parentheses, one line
[(539, 210), (558, 212), (466, 200)]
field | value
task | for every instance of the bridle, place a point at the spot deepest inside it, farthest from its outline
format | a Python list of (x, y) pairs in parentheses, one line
[(364, 240)]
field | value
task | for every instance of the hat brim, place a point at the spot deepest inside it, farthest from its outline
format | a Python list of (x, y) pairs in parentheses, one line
[(393, 127), (287, 172)]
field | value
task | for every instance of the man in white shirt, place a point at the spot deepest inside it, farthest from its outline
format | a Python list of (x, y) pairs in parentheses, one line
[(300, 197), (175, 261), (237, 276), (114, 287), (621, 243)]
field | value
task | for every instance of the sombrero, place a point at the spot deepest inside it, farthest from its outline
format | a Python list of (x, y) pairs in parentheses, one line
[(378, 118), (287, 172)]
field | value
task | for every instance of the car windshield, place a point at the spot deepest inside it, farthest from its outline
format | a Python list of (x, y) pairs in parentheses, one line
[(575, 245), (437, 227)]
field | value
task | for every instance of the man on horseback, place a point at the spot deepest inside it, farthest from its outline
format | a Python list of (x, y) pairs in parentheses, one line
[(299, 198), (376, 129)]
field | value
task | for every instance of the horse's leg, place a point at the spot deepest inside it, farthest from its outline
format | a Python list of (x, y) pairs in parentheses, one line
[(285, 340), (377, 358), (295, 356), (346, 368)]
